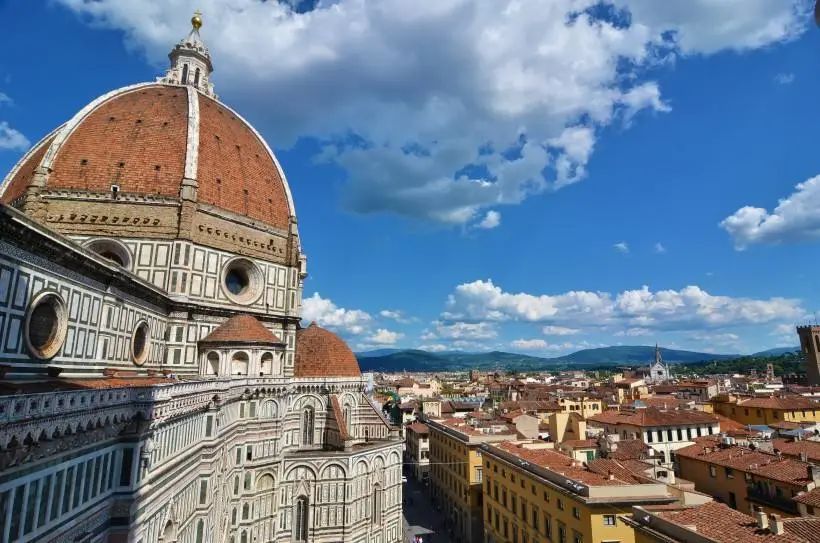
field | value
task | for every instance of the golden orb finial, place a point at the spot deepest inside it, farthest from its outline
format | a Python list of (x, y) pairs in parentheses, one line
[(196, 20)]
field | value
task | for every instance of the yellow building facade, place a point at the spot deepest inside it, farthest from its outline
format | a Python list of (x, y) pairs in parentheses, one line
[(533, 494), (456, 472), (765, 411)]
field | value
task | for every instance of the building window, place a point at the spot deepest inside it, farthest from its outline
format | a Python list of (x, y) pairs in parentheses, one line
[(649, 436), (300, 523), (139, 343), (478, 474), (712, 471), (203, 491), (609, 520), (730, 474), (200, 531), (680, 434), (307, 426), (576, 513), (376, 514), (560, 504), (184, 74), (46, 325)]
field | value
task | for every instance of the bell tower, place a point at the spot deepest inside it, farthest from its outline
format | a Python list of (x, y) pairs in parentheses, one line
[(810, 345)]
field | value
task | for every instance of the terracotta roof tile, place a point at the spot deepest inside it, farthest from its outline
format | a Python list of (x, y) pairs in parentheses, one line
[(419, 428), (241, 329), (652, 416), (811, 498), (720, 523), (338, 415), (321, 353), (781, 402)]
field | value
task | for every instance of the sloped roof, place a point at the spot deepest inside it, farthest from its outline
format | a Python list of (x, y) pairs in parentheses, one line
[(321, 353), (241, 329)]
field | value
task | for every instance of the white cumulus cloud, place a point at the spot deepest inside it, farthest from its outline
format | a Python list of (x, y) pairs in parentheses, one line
[(482, 303), (440, 109), (796, 218), (621, 247), (328, 314), (490, 220), (529, 344), (11, 139), (552, 330), (383, 336)]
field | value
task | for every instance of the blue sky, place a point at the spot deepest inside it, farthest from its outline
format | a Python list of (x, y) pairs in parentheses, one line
[(533, 176)]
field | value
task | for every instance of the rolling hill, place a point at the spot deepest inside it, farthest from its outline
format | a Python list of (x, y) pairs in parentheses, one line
[(419, 360)]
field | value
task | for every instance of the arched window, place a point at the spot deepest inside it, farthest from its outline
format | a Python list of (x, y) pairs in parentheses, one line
[(376, 513), (348, 421), (307, 426), (244, 537), (196, 77), (300, 523), (213, 363), (246, 512), (239, 364), (184, 74), (266, 364), (200, 531)]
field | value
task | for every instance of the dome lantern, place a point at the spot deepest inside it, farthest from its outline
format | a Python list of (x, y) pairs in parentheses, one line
[(191, 61)]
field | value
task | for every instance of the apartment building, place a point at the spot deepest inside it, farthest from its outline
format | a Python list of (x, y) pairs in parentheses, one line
[(417, 453), (745, 478), (456, 470), (765, 411), (665, 431), (533, 494)]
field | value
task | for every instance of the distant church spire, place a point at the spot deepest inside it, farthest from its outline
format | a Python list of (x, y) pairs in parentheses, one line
[(658, 359), (191, 61)]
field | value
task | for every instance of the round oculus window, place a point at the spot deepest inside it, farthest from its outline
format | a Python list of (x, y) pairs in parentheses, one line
[(46, 325), (139, 343), (242, 281)]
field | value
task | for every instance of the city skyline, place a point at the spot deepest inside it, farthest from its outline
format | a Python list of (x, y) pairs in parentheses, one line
[(596, 197)]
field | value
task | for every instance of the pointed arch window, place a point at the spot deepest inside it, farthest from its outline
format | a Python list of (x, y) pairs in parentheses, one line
[(196, 77), (184, 74), (307, 426), (300, 524)]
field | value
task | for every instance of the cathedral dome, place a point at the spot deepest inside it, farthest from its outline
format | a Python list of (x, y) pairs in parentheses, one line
[(155, 139), (321, 353)]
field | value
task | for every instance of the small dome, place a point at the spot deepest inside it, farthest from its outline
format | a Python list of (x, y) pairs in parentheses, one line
[(321, 353), (241, 329)]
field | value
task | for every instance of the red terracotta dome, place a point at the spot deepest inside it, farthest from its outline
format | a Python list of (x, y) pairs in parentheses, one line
[(146, 139), (321, 353)]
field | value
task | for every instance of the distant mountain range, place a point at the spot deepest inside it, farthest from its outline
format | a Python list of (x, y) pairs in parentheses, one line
[(777, 351), (418, 360)]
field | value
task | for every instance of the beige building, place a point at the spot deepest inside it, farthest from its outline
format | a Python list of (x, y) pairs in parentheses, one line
[(535, 494), (457, 472), (417, 450)]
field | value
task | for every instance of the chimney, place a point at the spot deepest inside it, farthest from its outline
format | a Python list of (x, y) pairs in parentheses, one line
[(762, 519), (814, 473), (776, 525)]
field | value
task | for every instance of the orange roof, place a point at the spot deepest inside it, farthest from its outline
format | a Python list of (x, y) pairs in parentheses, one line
[(419, 428), (781, 402), (241, 329), (561, 463), (719, 522), (652, 416), (795, 448), (321, 353), (762, 464)]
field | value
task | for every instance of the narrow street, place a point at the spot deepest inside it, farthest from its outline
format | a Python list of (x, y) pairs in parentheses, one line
[(419, 516)]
